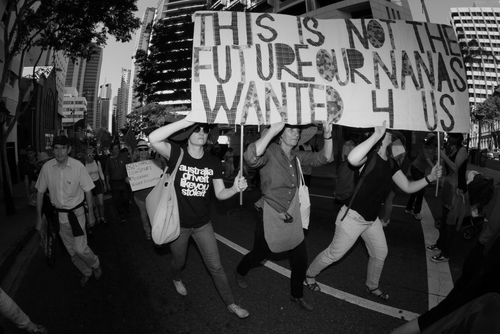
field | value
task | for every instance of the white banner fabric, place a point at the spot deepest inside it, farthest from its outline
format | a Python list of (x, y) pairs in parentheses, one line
[(250, 68)]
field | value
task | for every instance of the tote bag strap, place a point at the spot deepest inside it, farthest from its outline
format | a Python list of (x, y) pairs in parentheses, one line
[(299, 171), (177, 165)]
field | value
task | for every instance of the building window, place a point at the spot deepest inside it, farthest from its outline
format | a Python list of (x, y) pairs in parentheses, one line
[(49, 139), (11, 80)]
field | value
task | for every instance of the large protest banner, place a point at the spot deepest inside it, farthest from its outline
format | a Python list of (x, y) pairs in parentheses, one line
[(249, 68)]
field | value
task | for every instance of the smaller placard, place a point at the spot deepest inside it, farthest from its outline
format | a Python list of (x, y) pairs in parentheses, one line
[(144, 174)]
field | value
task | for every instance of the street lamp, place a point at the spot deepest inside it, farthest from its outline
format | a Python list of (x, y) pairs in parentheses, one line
[(10, 207)]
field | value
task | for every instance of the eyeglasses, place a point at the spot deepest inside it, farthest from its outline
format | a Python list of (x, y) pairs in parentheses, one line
[(90, 155), (197, 129), (142, 149)]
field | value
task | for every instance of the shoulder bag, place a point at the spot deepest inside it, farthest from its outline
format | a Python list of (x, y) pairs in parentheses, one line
[(161, 205)]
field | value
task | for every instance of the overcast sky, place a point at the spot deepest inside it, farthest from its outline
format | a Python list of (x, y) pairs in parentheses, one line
[(119, 55)]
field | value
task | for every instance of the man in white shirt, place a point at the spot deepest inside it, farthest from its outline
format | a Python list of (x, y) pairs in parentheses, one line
[(69, 185)]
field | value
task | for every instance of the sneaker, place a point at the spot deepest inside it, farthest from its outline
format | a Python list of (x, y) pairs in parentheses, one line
[(238, 310), (179, 286), (417, 216), (439, 258), (409, 212), (433, 248)]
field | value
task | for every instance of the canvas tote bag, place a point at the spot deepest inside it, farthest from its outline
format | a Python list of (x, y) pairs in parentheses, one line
[(161, 205), (304, 200)]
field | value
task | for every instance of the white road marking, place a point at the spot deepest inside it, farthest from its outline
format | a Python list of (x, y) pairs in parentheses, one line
[(387, 310)]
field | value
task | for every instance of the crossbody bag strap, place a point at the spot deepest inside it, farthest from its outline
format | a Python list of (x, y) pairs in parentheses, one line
[(368, 168), (178, 163), (299, 171)]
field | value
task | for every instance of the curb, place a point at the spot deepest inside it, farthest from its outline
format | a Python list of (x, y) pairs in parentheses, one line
[(11, 254)]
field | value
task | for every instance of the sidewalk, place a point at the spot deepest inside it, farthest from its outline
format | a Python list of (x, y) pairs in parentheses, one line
[(15, 230)]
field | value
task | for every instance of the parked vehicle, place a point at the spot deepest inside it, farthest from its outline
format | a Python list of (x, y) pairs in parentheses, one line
[(493, 154)]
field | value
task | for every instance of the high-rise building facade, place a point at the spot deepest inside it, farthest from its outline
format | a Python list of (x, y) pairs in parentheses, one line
[(84, 76), (104, 106), (74, 109), (122, 101), (50, 58), (480, 26), (141, 43)]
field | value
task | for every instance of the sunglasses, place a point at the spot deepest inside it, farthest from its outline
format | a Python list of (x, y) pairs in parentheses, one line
[(142, 149), (197, 129)]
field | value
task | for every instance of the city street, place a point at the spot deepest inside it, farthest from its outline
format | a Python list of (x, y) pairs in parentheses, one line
[(136, 294)]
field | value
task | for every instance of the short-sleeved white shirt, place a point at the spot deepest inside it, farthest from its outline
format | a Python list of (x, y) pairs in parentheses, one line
[(67, 185)]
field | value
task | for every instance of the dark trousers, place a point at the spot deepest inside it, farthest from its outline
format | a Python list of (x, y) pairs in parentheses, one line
[(260, 251), (446, 234), (415, 201), (120, 195)]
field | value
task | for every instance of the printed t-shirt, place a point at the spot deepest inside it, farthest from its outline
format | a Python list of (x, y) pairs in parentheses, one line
[(193, 185), (375, 188)]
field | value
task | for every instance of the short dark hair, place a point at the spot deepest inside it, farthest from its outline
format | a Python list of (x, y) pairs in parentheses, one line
[(60, 140)]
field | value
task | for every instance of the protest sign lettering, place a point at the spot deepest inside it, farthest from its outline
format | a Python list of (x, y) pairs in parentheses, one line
[(251, 68), (143, 174)]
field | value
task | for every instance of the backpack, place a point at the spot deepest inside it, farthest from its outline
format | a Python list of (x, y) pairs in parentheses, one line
[(349, 180)]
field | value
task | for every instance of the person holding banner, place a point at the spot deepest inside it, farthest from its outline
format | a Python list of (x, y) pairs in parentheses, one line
[(362, 218), (279, 206), (425, 159), (142, 154), (199, 173), (455, 199)]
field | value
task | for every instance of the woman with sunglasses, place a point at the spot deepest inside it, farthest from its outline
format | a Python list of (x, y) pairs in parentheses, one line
[(95, 171), (142, 153), (199, 173)]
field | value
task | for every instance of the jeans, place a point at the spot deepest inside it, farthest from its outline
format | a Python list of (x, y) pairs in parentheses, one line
[(415, 201), (81, 255), (204, 237), (144, 215), (346, 234), (260, 251)]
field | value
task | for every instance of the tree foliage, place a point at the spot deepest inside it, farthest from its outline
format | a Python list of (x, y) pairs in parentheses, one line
[(490, 108), (144, 120), (74, 27)]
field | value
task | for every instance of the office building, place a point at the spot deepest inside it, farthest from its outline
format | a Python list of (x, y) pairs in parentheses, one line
[(74, 110), (480, 24), (105, 93), (141, 43), (122, 99), (84, 76)]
